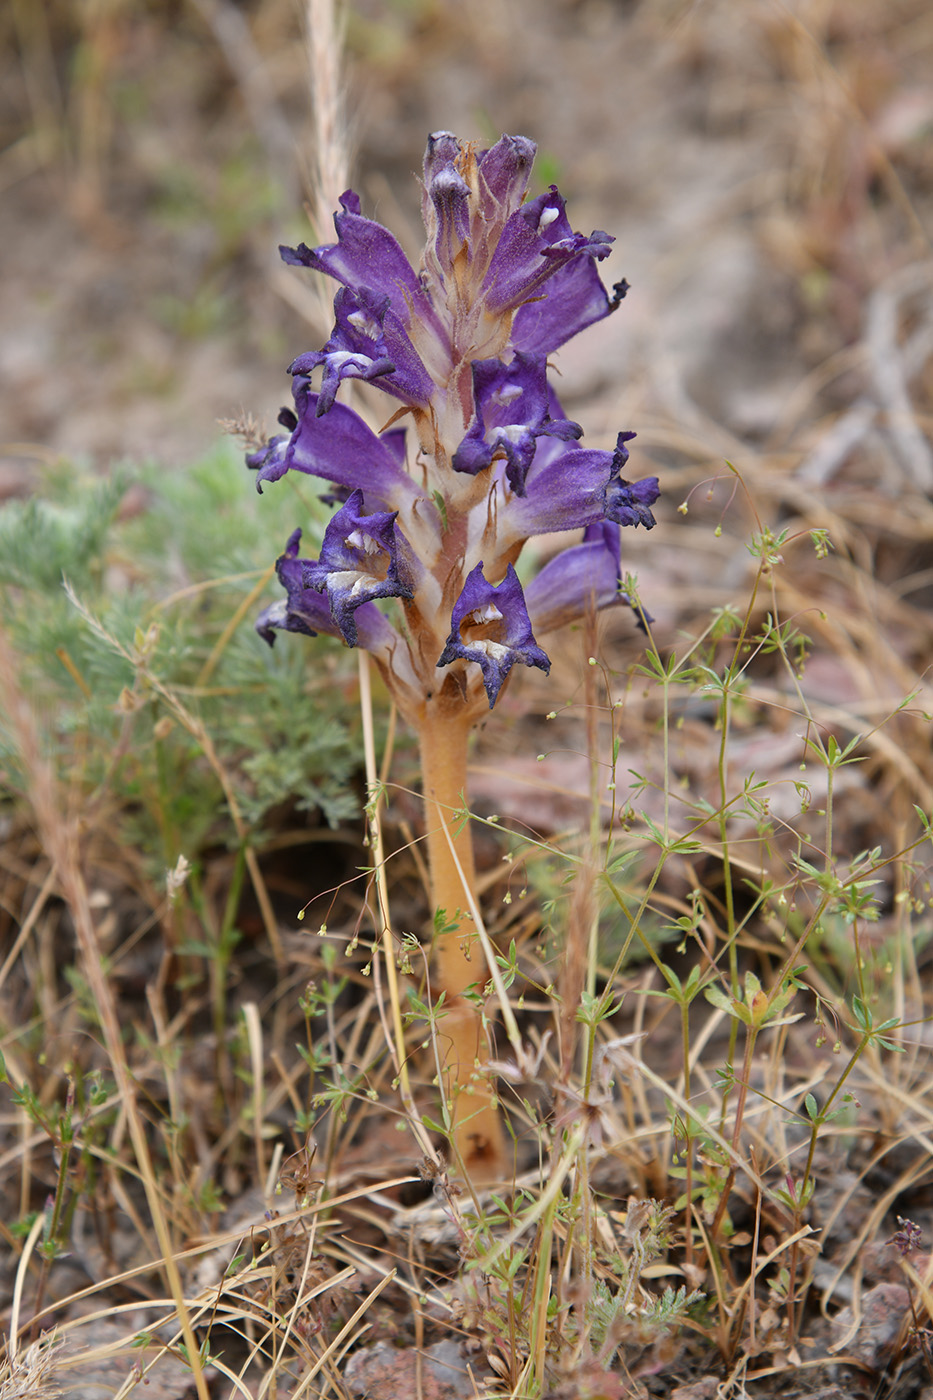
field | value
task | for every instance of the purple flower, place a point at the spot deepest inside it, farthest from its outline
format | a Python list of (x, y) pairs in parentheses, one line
[(490, 625), (306, 610), (365, 255), (536, 243), (340, 448), (369, 261), (368, 342), (361, 559), (585, 575), (567, 489), (511, 413)]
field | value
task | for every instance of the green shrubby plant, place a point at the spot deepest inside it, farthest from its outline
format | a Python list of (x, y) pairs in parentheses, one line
[(162, 561)]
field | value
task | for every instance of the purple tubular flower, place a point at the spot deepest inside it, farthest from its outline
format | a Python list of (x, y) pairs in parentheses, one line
[(362, 558), (368, 342), (305, 610), (585, 575), (570, 488), (339, 447), (536, 243), (365, 255), (368, 257), (490, 625), (511, 413)]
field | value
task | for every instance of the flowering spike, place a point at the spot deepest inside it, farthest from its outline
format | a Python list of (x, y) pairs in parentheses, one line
[(486, 461), (490, 625)]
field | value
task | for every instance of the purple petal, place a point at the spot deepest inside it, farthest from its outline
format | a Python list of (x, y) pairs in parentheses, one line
[(536, 242), (305, 610), (282, 616), (609, 535), (573, 299), (565, 490), (512, 405), (490, 626), (368, 342), (339, 447), (362, 558), (365, 255), (586, 574)]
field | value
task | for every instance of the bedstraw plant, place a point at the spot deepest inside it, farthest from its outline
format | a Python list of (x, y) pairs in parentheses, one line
[(434, 511)]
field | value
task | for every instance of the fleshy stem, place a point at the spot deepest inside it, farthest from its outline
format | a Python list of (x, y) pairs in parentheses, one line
[(477, 1138)]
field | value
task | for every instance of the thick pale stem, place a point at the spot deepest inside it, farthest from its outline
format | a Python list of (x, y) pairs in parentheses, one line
[(477, 1128)]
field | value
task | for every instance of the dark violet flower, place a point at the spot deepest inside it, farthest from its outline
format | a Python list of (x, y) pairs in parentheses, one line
[(486, 459), (535, 244), (368, 343), (490, 625), (362, 558), (511, 412), (341, 449), (306, 610), (569, 488), (367, 256)]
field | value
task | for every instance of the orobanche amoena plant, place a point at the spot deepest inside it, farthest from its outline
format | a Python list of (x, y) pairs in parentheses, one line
[(434, 514)]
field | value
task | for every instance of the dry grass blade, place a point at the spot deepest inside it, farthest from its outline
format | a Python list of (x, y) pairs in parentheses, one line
[(61, 841), (32, 1373)]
